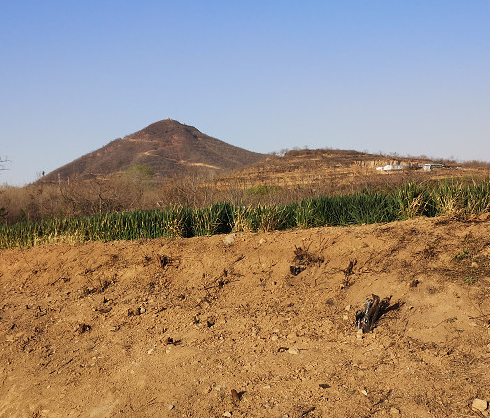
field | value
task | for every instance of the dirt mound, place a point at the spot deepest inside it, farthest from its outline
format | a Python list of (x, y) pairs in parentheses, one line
[(250, 325)]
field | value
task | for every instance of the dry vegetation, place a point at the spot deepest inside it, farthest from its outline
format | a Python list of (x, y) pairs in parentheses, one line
[(297, 175)]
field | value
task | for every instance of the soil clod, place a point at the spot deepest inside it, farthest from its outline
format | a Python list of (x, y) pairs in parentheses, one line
[(82, 328), (172, 341), (235, 396)]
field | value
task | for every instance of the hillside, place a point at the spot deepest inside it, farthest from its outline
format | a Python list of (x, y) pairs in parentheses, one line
[(170, 148), (333, 171), (220, 326)]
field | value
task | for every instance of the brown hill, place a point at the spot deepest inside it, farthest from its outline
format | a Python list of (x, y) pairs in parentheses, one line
[(168, 147)]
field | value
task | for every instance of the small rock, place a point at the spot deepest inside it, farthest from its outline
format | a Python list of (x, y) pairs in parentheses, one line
[(274, 338), (364, 392), (479, 405), (227, 414), (170, 407), (359, 334), (347, 308), (293, 350), (262, 241), (394, 411), (229, 239), (474, 264), (142, 310)]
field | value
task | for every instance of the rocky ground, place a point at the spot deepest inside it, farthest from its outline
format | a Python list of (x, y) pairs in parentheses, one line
[(251, 325)]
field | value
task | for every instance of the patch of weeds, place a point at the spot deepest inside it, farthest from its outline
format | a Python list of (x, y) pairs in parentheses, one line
[(469, 280), (348, 272), (463, 255), (304, 257), (262, 190)]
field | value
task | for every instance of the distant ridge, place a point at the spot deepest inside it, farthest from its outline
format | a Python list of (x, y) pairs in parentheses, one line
[(169, 147)]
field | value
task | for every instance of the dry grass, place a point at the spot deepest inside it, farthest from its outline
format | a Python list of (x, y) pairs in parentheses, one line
[(279, 180)]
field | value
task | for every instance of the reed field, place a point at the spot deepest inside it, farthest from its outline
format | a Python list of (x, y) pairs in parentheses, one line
[(458, 199)]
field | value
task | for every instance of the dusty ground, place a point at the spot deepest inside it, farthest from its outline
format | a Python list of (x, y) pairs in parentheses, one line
[(168, 328)]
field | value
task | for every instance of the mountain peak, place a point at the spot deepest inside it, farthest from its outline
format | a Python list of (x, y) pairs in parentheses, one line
[(169, 147)]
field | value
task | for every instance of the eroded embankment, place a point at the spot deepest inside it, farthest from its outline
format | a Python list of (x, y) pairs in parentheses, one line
[(171, 327)]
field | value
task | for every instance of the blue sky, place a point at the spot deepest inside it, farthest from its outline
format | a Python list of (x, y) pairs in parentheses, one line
[(411, 77)]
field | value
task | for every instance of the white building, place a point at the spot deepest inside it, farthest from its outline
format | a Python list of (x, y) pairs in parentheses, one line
[(393, 167)]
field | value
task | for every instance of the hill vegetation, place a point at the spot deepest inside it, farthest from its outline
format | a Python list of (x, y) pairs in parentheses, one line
[(168, 147)]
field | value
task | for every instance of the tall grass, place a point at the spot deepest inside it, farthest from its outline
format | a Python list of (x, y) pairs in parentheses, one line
[(454, 199)]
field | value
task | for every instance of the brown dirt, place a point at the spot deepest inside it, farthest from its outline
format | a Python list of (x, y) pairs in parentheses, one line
[(203, 327)]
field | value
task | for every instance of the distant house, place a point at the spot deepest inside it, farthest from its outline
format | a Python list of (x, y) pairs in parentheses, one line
[(398, 167), (393, 167), (429, 167)]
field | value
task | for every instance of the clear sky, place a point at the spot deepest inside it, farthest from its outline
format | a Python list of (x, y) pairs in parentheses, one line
[(404, 76)]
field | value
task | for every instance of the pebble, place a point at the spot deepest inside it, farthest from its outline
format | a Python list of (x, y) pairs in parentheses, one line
[(170, 407), (364, 392), (479, 404), (229, 239), (359, 334), (227, 414), (394, 411), (347, 308), (274, 338), (345, 318), (293, 350)]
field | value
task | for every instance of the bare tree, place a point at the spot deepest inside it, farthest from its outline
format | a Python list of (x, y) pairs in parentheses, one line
[(2, 163)]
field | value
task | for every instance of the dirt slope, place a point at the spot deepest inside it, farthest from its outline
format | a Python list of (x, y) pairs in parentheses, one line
[(168, 328)]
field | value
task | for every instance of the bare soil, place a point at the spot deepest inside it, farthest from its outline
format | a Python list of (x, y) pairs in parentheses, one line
[(222, 326)]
